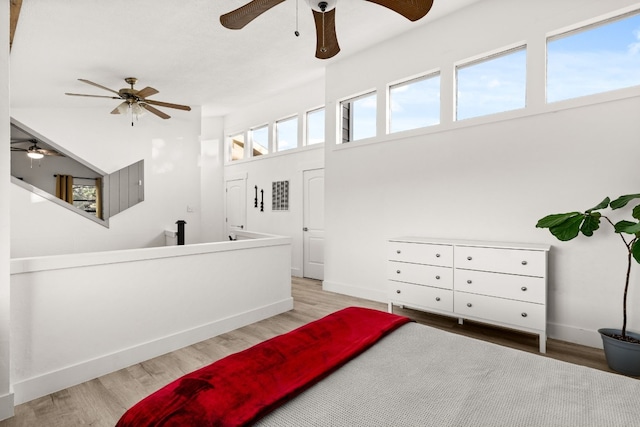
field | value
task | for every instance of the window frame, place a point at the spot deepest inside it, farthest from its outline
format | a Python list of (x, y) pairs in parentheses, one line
[(307, 127), (578, 28), (483, 58), (252, 141), (407, 81), (294, 119), (350, 119)]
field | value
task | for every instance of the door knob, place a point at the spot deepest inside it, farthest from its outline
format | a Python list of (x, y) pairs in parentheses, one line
[(305, 229)]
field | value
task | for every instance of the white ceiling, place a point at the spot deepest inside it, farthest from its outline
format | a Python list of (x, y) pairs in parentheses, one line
[(180, 48)]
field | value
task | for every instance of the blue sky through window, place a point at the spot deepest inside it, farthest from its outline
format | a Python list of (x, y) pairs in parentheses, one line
[(602, 58), (414, 104), (494, 85), (287, 134), (364, 117), (315, 126)]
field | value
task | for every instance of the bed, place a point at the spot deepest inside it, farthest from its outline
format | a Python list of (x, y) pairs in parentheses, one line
[(364, 367)]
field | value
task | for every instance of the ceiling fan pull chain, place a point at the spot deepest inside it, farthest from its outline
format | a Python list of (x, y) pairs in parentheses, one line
[(297, 33)]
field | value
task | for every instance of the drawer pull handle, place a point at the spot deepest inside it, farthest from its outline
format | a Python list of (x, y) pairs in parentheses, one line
[(398, 291), (524, 262), (469, 304), (524, 288), (437, 298), (469, 281), (437, 277), (437, 255), (524, 314), (469, 258), (398, 251), (398, 271)]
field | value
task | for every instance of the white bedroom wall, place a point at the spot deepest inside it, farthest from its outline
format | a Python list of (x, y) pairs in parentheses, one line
[(212, 179), (6, 395), (489, 178), (171, 151)]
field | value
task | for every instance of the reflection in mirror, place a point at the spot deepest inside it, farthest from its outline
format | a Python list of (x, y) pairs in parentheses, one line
[(40, 166)]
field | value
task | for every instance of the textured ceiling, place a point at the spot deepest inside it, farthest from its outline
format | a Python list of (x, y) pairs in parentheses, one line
[(180, 48)]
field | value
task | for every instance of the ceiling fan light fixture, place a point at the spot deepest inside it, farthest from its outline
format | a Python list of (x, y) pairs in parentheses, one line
[(123, 108), (137, 110), (35, 155)]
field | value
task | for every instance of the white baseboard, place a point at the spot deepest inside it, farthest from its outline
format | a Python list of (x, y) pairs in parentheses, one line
[(51, 382), (354, 291), (6, 406), (574, 335)]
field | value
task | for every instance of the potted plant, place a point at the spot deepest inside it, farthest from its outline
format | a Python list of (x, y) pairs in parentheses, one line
[(622, 348)]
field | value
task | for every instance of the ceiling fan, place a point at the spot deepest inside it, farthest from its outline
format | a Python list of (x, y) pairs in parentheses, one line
[(134, 101), (324, 13), (33, 151)]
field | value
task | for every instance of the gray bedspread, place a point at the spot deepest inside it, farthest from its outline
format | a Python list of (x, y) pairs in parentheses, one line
[(421, 376)]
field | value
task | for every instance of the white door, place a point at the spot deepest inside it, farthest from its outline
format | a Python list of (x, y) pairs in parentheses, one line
[(313, 223), (236, 205)]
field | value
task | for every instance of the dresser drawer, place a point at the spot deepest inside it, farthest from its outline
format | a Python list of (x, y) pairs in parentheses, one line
[(421, 253), (512, 261), (508, 312), (441, 277), (421, 296), (523, 288)]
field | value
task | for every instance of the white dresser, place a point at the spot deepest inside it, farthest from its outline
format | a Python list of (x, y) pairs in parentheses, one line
[(503, 284)]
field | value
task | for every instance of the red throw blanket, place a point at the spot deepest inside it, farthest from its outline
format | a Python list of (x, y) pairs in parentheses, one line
[(244, 386)]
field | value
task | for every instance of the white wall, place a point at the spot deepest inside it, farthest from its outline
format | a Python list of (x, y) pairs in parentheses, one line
[(114, 309), (490, 178), (285, 166), (6, 396), (171, 150), (212, 179)]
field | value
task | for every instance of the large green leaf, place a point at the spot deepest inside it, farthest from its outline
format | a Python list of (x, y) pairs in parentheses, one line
[(591, 223), (623, 200), (636, 212), (620, 227), (603, 204), (628, 227), (556, 219), (635, 250), (568, 229)]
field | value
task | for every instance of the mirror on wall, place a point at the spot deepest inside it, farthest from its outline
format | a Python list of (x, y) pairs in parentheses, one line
[(45, 168)]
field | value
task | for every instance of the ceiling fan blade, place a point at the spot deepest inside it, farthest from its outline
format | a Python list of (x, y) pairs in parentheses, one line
[(18, 149), (49, 152), (155, 111), (326, 38), (410, 9), (18, 141), (100, 86), (93, 96), (147, 91), (241, 16), (117, 109), (168, 105)]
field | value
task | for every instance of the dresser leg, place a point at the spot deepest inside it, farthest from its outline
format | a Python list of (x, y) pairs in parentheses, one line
[(543, 342)]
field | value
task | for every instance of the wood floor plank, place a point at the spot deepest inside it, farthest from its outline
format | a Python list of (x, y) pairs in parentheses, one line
[(102, 401)]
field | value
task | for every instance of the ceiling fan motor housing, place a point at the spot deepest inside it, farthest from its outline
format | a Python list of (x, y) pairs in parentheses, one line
[(322, 6)]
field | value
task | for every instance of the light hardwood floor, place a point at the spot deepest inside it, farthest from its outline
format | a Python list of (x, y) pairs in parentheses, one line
[(101, 402)]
